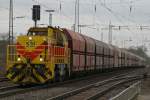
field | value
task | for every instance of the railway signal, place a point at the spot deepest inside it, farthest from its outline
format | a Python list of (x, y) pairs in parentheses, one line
[(36, 13)]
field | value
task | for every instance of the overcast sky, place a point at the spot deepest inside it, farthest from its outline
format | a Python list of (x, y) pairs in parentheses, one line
[(130, 13)]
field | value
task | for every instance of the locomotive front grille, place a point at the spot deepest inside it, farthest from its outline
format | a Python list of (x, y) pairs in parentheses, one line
[(29, 73)]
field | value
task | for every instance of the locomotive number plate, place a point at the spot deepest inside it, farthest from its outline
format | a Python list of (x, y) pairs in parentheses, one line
[(30, 44)]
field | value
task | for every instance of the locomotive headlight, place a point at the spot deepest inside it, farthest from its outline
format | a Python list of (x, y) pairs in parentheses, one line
[(19, 59), (30, 38), (41, 59)]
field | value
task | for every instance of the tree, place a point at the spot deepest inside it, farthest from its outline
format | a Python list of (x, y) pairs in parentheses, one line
[(140, 51)]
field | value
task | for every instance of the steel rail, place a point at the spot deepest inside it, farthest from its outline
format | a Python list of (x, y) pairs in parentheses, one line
[(2, 79), (82, 89), (106, 90)]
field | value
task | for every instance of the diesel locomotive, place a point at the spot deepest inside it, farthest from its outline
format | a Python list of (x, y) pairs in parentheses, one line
[(54, 54)]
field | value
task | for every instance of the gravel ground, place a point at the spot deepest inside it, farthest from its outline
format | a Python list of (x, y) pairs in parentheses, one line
[(145, 90)]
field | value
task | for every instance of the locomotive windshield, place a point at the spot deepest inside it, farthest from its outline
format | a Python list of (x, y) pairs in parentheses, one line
[(36, 33)]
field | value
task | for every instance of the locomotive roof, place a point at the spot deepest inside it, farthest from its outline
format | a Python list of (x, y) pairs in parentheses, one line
[(34, 29)]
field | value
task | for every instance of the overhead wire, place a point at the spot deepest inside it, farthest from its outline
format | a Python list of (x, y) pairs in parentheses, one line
[(108, 9), (104, 5), (114, 14)]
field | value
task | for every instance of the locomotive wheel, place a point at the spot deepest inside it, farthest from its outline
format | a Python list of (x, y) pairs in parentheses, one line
[(58, 77), (56, 74), (62, 77)]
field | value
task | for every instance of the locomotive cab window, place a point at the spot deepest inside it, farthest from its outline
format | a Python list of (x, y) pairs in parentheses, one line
[(59, 38)]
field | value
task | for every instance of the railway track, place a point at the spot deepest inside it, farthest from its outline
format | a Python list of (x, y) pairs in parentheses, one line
[(95, 90), (11, 90), (15, 90), (6, 91), (4, 82), (2, 79)]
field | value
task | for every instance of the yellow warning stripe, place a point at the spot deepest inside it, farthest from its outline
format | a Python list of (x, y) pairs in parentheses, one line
[(48, 75), (33, 80), (16, 79), (10, 75), (38, 76)]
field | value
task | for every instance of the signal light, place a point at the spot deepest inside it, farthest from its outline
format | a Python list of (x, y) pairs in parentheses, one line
[(41, 59), (36, 12)]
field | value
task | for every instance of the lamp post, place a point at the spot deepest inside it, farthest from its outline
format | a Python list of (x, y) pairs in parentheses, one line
[(110, 33), (50, 16)]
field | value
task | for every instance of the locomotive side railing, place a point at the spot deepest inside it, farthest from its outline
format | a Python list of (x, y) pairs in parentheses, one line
[(11, 56)]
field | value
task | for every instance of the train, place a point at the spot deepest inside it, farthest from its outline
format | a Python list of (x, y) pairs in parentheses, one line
[(47, 54)]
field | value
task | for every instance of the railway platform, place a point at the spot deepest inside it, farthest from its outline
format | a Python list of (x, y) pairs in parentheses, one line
[(145, 89)]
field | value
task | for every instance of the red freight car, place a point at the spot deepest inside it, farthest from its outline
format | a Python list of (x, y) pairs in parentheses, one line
[(89, 54), (106, 56), (111, 56), (116, 57), (99, 54), (77, 45)]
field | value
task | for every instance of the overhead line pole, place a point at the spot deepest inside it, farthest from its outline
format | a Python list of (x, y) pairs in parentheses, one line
[(78, 17), (76, 25), (75, 17), (102, 36), (110, 33), (11, 22)]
